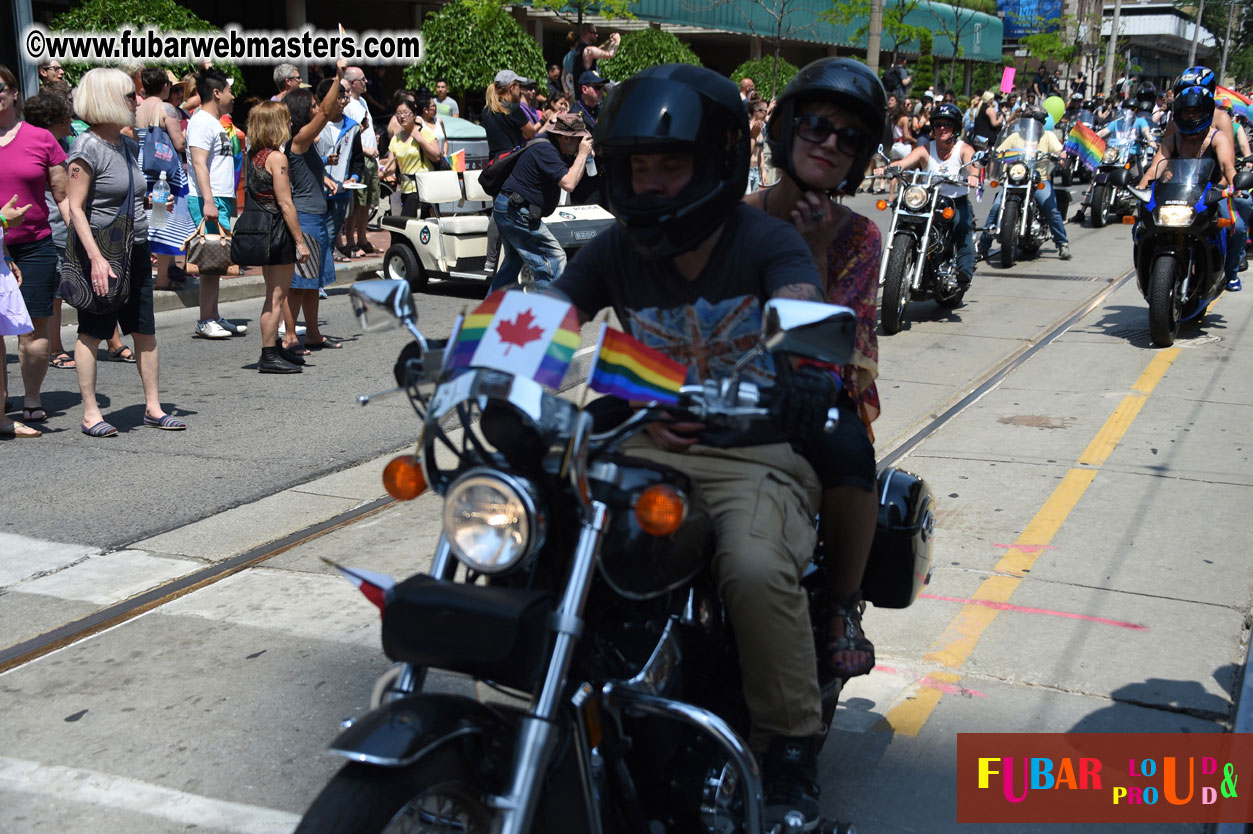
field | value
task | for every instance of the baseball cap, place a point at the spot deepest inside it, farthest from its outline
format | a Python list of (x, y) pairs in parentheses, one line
[(527, 82), (590, 77), (505, 77)]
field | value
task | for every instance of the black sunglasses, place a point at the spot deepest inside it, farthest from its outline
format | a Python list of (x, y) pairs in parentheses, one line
[(814, 128)]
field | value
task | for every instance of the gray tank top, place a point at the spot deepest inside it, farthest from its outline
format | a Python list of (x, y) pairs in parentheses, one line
[(305, 170)]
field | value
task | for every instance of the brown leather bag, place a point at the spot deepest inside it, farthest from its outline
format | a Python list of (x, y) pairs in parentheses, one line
[(211, 253)]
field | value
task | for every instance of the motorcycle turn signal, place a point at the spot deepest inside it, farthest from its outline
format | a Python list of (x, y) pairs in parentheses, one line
[(881, 205), (403, 478), (660, 510)]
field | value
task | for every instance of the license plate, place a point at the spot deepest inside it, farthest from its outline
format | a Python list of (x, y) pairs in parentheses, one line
[(587, 235)]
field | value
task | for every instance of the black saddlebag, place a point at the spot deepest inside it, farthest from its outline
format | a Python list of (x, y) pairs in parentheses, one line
[(498, 634), (900, 558)]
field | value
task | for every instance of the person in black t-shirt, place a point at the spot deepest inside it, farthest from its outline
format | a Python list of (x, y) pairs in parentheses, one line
[(591, 94), (587, 54), (530, 193), (506, 123)]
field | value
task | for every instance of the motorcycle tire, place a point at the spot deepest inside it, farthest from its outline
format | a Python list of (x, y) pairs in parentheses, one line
[(1098, 206), (438, 793), (1067, 177), (1165, 305), (896, 284), (1009, 233)]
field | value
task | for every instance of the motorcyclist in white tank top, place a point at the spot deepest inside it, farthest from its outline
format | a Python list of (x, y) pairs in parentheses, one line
[(946, 154)]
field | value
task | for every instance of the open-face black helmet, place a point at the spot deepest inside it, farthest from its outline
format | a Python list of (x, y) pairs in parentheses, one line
[(947, 112), (1036, 112), (848, 84), (683, 109), (1188, 99)]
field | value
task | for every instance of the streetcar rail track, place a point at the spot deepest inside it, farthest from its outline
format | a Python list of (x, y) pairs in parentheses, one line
[(119, 613)]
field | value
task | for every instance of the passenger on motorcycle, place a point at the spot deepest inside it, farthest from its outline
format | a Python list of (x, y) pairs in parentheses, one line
[(1196, 137), (1044, 197), (687, 270), (946, 154), (822, 134)]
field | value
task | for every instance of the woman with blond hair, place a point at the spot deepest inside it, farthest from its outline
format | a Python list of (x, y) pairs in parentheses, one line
[(106, 182), (507, 127), (268, 189)]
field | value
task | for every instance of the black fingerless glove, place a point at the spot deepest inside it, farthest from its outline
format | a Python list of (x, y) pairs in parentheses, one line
[(801, 399)]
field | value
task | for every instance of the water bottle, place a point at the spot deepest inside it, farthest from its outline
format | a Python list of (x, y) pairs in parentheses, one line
[(590, 167), (160, 194)]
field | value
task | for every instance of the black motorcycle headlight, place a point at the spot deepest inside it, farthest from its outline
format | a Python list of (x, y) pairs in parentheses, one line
[(1017, 173), (915, 197), (491, 520)]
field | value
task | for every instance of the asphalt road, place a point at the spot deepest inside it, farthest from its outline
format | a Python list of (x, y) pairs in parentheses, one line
[(1090, 559)]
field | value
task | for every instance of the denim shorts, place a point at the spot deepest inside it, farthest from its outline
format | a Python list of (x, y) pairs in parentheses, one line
[(38, 262), (314, 226)]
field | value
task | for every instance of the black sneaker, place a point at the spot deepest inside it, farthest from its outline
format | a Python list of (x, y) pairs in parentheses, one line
[(791, 784)]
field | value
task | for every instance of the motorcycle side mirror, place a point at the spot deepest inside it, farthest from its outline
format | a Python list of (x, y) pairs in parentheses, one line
[(1141, 194), (809, 329), (879, 154), (395, 297)]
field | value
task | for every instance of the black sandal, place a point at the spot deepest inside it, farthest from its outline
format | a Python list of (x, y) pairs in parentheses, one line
[(850, 610)]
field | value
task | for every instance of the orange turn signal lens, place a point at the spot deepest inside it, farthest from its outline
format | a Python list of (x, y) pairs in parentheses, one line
[(660, 510), (947, 214), (403, 478), (881, 205), (1226, 222), (994, 183), (1039, 186), (1128, 220)]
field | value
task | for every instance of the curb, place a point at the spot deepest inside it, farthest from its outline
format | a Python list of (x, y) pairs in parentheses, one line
[(233, 288), (1243, 724)]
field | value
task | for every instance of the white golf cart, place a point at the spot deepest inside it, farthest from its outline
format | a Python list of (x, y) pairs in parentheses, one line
[(452, 241)]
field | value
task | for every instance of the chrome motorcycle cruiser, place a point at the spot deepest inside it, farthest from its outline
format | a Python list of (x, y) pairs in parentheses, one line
[(1120, 168), (1019, 224), (919, 260), (1180, 243), (584, 589)]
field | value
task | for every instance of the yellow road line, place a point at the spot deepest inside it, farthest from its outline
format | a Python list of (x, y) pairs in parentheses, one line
[(956, 643)]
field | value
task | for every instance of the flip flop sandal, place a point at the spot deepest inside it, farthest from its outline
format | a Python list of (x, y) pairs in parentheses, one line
[(122, 354), (327, 343), (166, 423), (63, 360), (12, 431), (35, 414), (849, 609), (298, 350), (101, 429), (368, 248)]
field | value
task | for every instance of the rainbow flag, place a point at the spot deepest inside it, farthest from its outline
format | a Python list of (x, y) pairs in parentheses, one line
[(625, 368), (1230, 98), (457, 161), (1085, 144), (525, 335)]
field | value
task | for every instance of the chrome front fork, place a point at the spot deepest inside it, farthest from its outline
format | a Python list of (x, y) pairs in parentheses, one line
[(537, 733)]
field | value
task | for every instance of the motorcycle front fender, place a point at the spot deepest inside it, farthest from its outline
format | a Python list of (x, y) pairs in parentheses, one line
[(400, 732), (1120, 177)]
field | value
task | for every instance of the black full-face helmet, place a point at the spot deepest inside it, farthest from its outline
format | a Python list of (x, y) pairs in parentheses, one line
[(1192, 110), (1146, 97), (683, 109), (848, 84)]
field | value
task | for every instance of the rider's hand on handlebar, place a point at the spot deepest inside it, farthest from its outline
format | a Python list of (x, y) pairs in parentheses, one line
[(800, 400), (674, 437)]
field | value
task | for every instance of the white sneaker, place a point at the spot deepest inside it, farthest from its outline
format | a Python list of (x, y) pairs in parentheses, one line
[(282, 329), (212, 330), (234, 329)]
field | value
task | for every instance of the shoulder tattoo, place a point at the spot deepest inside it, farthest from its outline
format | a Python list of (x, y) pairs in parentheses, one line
[(801, 291)]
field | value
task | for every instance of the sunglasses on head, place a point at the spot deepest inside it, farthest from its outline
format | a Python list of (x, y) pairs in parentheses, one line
[(814, 128)]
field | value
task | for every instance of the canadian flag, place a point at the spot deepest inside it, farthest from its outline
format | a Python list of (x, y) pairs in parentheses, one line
[(518, 338), (377, 587)]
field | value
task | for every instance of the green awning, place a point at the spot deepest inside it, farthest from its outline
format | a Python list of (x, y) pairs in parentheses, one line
[(980, 33)]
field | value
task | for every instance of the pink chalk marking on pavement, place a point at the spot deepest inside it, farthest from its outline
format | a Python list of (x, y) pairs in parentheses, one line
[(1027, 548), (1022, 609), (931, 683)]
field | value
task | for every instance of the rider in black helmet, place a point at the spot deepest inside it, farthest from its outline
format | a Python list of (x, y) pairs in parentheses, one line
[(687, 270)]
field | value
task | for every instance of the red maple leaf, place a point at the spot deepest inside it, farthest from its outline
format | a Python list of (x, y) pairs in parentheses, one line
[(519, 331)]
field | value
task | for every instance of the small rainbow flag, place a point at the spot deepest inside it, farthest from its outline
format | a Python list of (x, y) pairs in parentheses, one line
[(457, 161), (1230, 98), (1085, 144), (625, 368), (526, 335)]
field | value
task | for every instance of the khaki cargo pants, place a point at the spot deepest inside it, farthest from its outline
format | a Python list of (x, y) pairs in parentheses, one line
[(763, 500)]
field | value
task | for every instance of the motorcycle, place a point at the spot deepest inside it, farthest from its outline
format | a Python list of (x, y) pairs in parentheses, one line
[(1180, 243), (1072, 170), (586, 590), (919, 261), (1022, 170), (1120, 167)]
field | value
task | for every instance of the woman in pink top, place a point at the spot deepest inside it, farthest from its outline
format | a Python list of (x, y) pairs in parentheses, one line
[(30, 161)]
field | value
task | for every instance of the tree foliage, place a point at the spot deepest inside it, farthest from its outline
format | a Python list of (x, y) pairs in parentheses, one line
[(761, 70), (924, 74), (468, 42), (111, 15), (1053, 39), (898, 35), (574, 11), (646, 48)]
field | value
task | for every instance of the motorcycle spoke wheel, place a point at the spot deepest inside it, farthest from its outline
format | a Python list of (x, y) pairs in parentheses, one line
[(896, 284)]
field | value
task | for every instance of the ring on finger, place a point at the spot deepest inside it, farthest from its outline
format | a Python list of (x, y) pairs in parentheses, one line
[(818, 214)]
